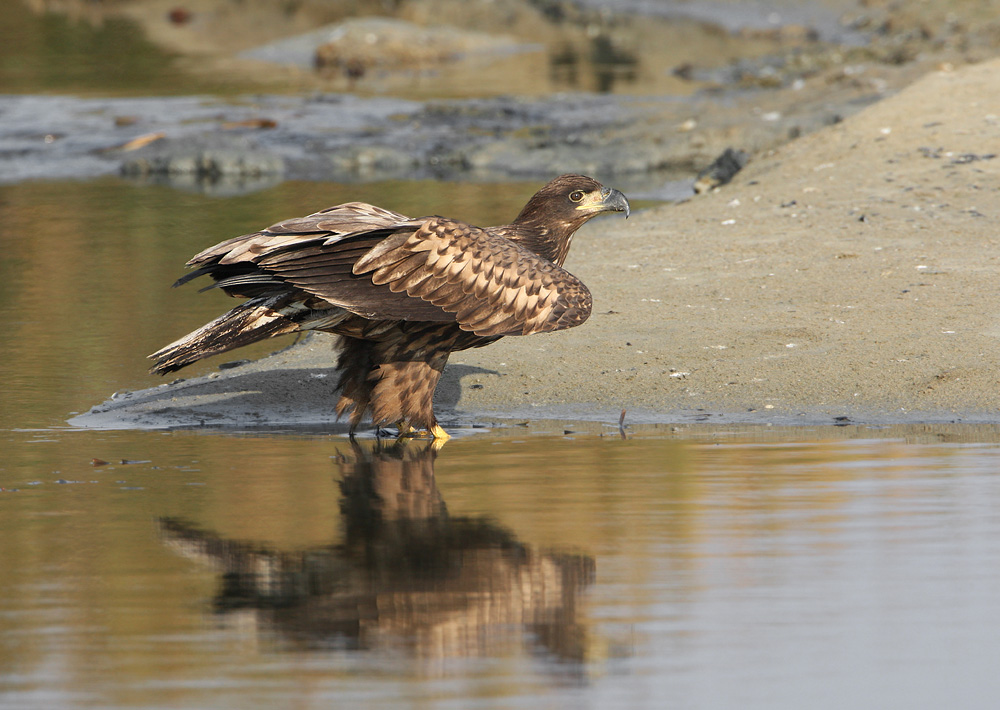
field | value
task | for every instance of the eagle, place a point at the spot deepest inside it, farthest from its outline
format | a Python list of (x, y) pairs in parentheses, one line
[(402, 294)]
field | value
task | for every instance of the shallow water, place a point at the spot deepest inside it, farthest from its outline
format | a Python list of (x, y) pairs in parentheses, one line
[(706, 570), (51, 52), (689, 566)]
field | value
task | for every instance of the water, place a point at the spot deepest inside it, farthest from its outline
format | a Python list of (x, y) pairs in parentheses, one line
[(58, 53), (712, 570), (701, 567)]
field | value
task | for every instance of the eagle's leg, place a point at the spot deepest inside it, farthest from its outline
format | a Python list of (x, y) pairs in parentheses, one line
[(355, 364), (394, 377), (406, 373)]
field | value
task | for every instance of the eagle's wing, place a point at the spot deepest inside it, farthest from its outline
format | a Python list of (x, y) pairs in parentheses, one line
[(442, 271), (235, 263), (328, 225)]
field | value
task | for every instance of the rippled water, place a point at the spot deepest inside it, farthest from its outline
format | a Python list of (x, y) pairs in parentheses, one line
[(686, 566), (713, 569)]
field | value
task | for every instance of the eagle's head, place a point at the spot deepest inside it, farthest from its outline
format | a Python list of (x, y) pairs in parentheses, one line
[(554, 213)]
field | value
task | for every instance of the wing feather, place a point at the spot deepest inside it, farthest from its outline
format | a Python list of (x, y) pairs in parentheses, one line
[(326, 226), (411, 281), (397, 271), (473, 312), (482, 285), (491, 285), (375, 256), (383, 265)]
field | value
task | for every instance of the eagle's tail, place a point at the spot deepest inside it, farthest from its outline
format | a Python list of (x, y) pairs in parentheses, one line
[(256, 319)]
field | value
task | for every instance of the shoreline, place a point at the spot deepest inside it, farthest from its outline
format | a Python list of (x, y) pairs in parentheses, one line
[(847, 272)]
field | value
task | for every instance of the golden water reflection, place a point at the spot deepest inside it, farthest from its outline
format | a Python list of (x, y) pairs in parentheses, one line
[(404, 574), (214, 571)]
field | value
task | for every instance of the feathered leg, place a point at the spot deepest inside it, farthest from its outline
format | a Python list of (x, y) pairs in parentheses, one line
[(403, 391), (394, 377), (409, 366), (355, 365)]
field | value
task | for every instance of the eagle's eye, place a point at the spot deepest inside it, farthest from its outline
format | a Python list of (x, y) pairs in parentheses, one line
[(576, 195)]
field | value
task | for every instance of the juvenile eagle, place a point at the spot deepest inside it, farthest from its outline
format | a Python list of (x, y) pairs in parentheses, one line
[(401, 293)]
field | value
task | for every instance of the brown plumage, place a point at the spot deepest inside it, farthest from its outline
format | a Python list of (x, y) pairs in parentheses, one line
[(401, 293)]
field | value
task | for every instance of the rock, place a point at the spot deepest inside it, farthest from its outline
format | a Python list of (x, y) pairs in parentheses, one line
[(209, 157), (377, 42), (721, 170)]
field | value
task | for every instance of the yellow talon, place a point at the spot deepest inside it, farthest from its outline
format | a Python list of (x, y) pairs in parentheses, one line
[(438, 433), (406, 431)]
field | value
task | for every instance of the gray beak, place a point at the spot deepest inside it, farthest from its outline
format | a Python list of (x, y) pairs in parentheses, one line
[(615, 201)]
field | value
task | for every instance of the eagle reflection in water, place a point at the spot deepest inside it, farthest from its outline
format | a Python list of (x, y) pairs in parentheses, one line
[(408, 575)]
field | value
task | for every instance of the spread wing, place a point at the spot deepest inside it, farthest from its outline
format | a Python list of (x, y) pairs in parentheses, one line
[(327, 225), (326, 243), (383, 265), (492, 285)]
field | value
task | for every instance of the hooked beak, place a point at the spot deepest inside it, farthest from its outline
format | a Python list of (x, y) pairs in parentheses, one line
[(614, 201), (604, 200)]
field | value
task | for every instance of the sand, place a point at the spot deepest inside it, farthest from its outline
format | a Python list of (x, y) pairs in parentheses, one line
[(850, 273)]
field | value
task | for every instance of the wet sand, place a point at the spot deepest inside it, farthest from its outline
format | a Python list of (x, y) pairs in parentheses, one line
[(850, 273)]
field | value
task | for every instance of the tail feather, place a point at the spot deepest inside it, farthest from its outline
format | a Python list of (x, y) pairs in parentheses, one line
[(249, 322)]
